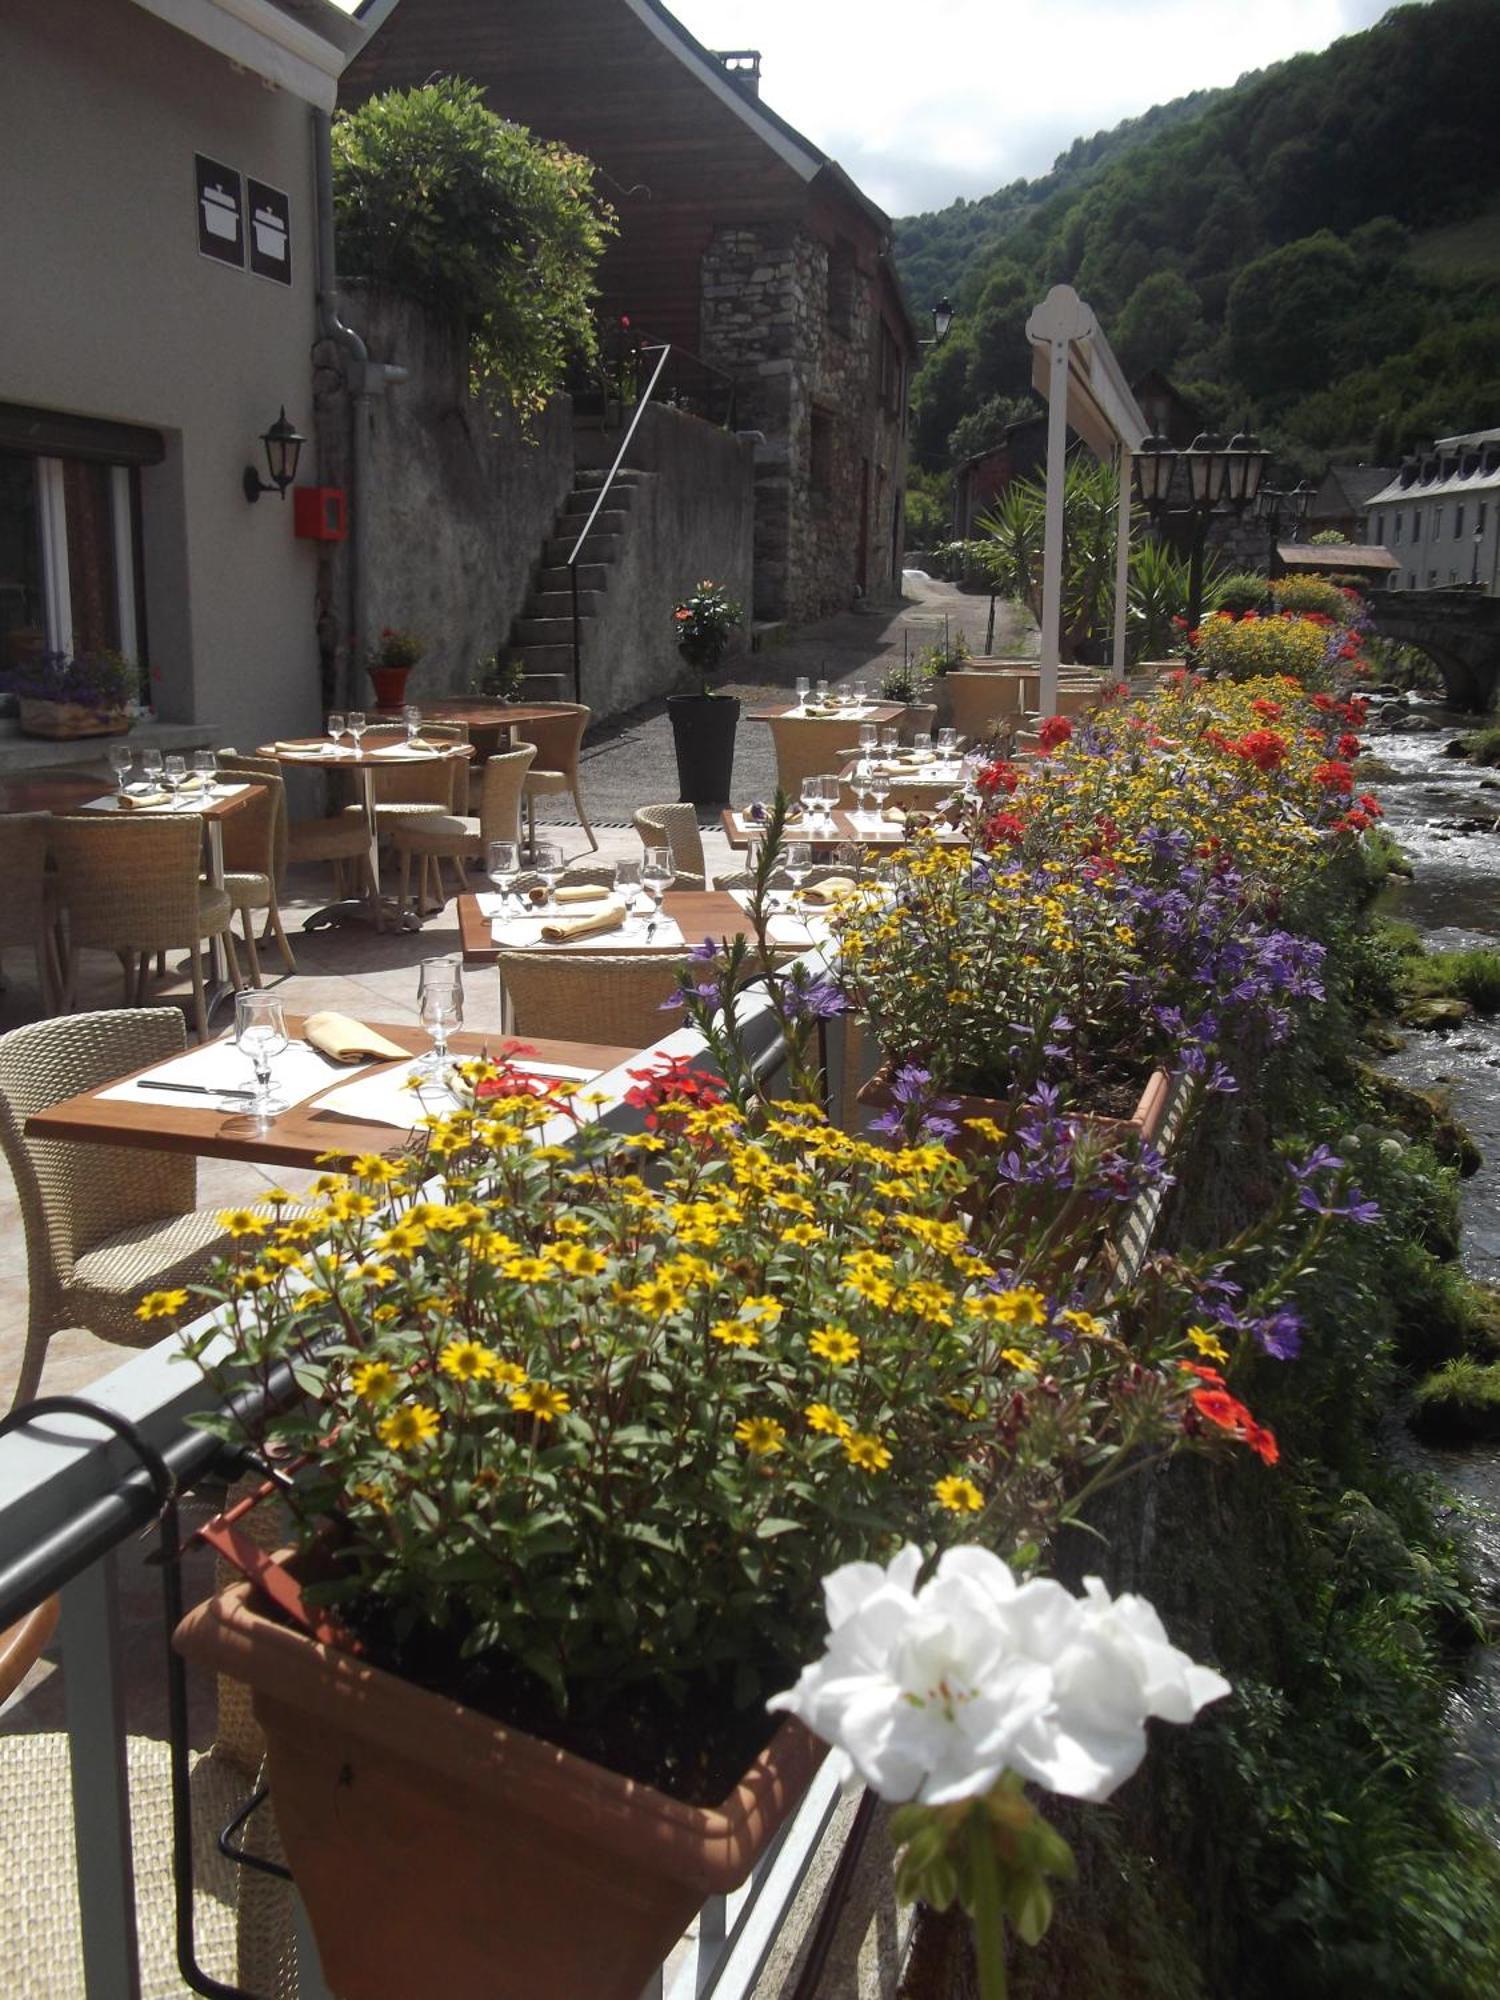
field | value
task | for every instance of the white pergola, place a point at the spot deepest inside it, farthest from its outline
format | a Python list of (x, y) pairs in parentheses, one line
[(1074, 368)]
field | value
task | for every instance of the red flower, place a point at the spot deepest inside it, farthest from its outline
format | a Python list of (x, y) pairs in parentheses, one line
[(676, 1084), (1204, 1373), (1055, 730), (1263, 748), (1352, 822), (1334, 777), (1347, 746), (1368, 803), (1219, 1407), (1325, 702), (1002, 827), (1262, 1442), (1355, 711), (998, 777), (1268, 711)]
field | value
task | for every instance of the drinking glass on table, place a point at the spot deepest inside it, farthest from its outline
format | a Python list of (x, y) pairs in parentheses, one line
[(822, 693), (121, 763), (811, 800), (546, 860), (502, 860), (206, 771), (173, 771), (151, 768), (804, 689), (260, 1035), (869, 736), (440, 1008), (411, 715), (890, 740), (880, 790), (831, 792), (628, 888), (658, 873), (797, 861), (356, 723), (947, 743), (336, 728)]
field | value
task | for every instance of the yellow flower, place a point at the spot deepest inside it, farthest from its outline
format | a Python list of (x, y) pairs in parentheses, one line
[(466, 1361), (1210, 1347), (760, 1435), (985, 1128), (820, 1417), (528, 1270), (375, 1167), (802, 1234), (240, 1222), (1084, 1323), (411, 1425), (1021, 1306), (734, 1333), (834, 1344), (373, 1495), (958, 1495), (540, 1400), (1014, 1358), (508, 1373), (867, 1452), (348, 1205), (764, 1308), (161, 1305), (879, 1291), (300, 1229), (402, 1239), (578, 1260), (373, 1381), (656, 1296)]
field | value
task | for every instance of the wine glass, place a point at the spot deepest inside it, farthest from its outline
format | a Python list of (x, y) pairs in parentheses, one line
[(356, 723), (503, 865), (658, 873), (880, 790), (440, 1008), (823, 693), (869, 736), (890, 740), (151, 769), (627, 888), (947, 743), (206, 771), (411, 715), (122, 763), (260, 1034), (173, 772), (797, 861), (830, 792), (812, 800), (547, 861), (336, 727), (804, 689)]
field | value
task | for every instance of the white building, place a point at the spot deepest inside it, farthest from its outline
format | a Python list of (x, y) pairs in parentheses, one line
[(1440, 516)]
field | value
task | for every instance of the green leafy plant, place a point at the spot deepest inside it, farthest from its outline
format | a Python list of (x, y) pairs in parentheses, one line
[(501, 675), (396, 648), (102, 680), (1238, 593), (501, 233), (703, 624)]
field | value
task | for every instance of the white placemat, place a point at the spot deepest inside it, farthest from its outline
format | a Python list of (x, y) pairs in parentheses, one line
[(412, 750), (298, 1073), (384, 1099), (192, 800), (496, 905), (839, 714), (525, 934)]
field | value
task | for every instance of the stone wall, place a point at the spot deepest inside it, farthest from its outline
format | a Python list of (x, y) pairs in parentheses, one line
[(692, 515), (459, 502), (811, 387)]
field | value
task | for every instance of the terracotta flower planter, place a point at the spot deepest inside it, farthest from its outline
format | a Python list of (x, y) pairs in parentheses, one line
[(439, 1852), (389, 684), (1144, 1123)]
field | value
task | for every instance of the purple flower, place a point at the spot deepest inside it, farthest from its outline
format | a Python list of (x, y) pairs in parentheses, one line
[(821, 999), (705, 953)]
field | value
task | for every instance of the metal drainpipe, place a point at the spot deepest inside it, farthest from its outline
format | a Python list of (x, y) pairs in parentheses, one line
[(331, 327)]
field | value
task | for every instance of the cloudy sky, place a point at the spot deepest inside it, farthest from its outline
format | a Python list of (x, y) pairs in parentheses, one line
[(922, 104)]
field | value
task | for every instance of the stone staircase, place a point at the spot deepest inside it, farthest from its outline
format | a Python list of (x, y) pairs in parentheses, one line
[(542, 636)]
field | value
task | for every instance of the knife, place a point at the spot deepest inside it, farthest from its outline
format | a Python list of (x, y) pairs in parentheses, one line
[(195, 1089)]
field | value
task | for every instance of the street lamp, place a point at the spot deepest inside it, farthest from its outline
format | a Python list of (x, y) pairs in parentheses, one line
[(942, 319), (1281, 508), (283, 445), (1218, 475)]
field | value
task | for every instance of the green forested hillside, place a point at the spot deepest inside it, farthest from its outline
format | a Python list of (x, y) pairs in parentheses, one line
[(1314, 248)]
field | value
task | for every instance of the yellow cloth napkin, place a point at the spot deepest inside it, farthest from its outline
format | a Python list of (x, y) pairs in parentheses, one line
[(343, 1039), (832, 889), (561, 930), (581, 892), (894, 813), (143, 801), (304, 747)]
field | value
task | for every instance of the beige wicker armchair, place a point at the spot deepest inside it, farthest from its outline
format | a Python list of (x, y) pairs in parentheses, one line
[(411, 790), (676, 826), (104, 1224), (809, 746), (255, 851), (558, 738), (432, 838), (580, 998), (28, 914), (131, 887)]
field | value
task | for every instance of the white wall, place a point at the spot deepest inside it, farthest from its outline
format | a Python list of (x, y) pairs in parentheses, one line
[(110, 311)]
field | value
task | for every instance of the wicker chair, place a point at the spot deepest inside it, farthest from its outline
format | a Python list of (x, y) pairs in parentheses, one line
[(676, 826), (979, 700), (340, 841), (808, 746), (418, 789), (27, 910), (558, 738), (582, 998), (104, 1224), (131, 887), (432, 838), (255, 851)]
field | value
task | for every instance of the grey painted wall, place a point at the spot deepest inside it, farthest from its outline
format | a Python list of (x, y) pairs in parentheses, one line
[(459, 498), (110, 311), (693, 517)]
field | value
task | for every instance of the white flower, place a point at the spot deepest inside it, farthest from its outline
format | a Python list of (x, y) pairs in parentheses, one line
[(932, 1693)]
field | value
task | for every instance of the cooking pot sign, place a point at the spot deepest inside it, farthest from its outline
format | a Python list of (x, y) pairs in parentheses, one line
[(221, 218), (270, 232)]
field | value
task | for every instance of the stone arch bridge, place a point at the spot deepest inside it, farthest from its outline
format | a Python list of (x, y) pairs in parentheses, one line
[(1459, 629)]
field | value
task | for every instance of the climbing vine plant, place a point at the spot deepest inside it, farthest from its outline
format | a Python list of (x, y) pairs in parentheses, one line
[(502, 233)]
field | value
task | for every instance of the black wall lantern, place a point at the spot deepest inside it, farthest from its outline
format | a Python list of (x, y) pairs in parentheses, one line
[(283, 443), (942, 319)]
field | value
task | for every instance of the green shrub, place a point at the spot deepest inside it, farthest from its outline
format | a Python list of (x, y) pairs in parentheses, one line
[(494, 230), (1459, 1400), (1243, 591), (1482, 746), (1313, 594), (1255, 648)]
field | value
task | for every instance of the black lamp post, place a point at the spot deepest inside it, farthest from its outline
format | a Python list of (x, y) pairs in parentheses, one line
[(1219, 476), (283, 443), (1282, 509), (942, 319)]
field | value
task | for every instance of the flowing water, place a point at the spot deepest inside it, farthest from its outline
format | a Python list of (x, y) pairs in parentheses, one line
[(1431, 803)]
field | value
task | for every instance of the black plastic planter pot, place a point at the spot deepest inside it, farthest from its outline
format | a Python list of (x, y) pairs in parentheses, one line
[(703, 727)]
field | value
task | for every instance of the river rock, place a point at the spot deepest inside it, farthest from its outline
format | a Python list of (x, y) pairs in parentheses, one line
[(1436, 1014), (1456, 746), (1418, 725)]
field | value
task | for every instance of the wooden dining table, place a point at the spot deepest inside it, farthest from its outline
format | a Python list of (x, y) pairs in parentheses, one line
[(698, 913), (845, 829), (881, 713), (386, 752), (300, 1136), (491, 725)]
